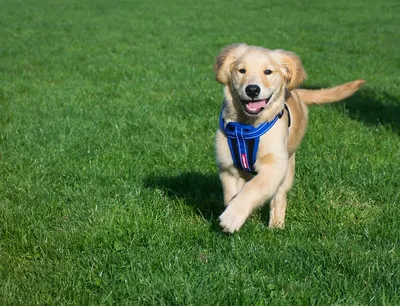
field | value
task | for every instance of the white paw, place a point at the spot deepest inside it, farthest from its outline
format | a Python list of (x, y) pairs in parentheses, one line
[(276, 224), (233, 218)]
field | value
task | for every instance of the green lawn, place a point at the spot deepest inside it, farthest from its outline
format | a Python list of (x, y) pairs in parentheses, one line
[(109, 191)]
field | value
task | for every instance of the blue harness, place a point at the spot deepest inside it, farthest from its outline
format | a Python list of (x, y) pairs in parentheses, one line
[(243, 140)]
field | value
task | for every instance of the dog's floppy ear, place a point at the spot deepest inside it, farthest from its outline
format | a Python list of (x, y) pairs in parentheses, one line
[(224, 61), (292, 68)]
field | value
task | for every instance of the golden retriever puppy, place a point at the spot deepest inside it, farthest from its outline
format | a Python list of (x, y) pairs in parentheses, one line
[(262, 123)]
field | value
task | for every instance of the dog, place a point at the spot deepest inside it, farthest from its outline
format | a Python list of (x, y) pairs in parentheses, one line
[(262, 123)]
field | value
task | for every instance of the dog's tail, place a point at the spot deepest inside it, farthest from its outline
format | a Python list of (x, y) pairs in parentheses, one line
[(328, 95)]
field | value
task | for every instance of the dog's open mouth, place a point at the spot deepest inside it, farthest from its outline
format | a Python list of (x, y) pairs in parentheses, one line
[(254, 107)]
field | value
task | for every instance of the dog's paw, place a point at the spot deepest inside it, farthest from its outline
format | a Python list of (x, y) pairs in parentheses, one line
[(233, 218), (276, 220), (276, 224)]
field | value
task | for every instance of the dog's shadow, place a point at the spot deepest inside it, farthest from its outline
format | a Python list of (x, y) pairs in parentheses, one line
[(372, 107), (201, 192)]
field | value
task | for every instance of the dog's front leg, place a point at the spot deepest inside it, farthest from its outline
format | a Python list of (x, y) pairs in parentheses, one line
[(253, 194), (232, 183)]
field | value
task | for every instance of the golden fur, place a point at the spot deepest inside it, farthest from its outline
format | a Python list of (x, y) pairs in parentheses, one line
[(277, 73)]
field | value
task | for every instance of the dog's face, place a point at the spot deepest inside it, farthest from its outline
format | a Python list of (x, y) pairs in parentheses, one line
[(257, 77)]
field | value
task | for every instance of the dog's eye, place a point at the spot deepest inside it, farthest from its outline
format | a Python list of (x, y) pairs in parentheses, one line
[(242, 71), (267, 72)]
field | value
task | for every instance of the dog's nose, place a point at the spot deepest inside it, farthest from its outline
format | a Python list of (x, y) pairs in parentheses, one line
[(252, 90)]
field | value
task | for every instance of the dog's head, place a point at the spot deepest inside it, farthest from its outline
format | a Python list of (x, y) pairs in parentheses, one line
[(257, 77)]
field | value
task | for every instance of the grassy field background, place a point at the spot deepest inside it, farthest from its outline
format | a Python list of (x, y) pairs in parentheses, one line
[(108, 186)]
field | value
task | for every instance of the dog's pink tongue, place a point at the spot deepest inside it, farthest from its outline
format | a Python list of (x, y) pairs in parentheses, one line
[(256, 105)]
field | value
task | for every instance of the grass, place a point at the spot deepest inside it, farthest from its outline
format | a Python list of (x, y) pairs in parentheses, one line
[(109, 191)]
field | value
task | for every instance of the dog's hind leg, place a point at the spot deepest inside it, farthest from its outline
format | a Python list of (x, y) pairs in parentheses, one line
[(278, 202)]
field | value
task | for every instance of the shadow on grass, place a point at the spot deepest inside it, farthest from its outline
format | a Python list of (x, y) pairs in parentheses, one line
[(372, 107), (201, 192)]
